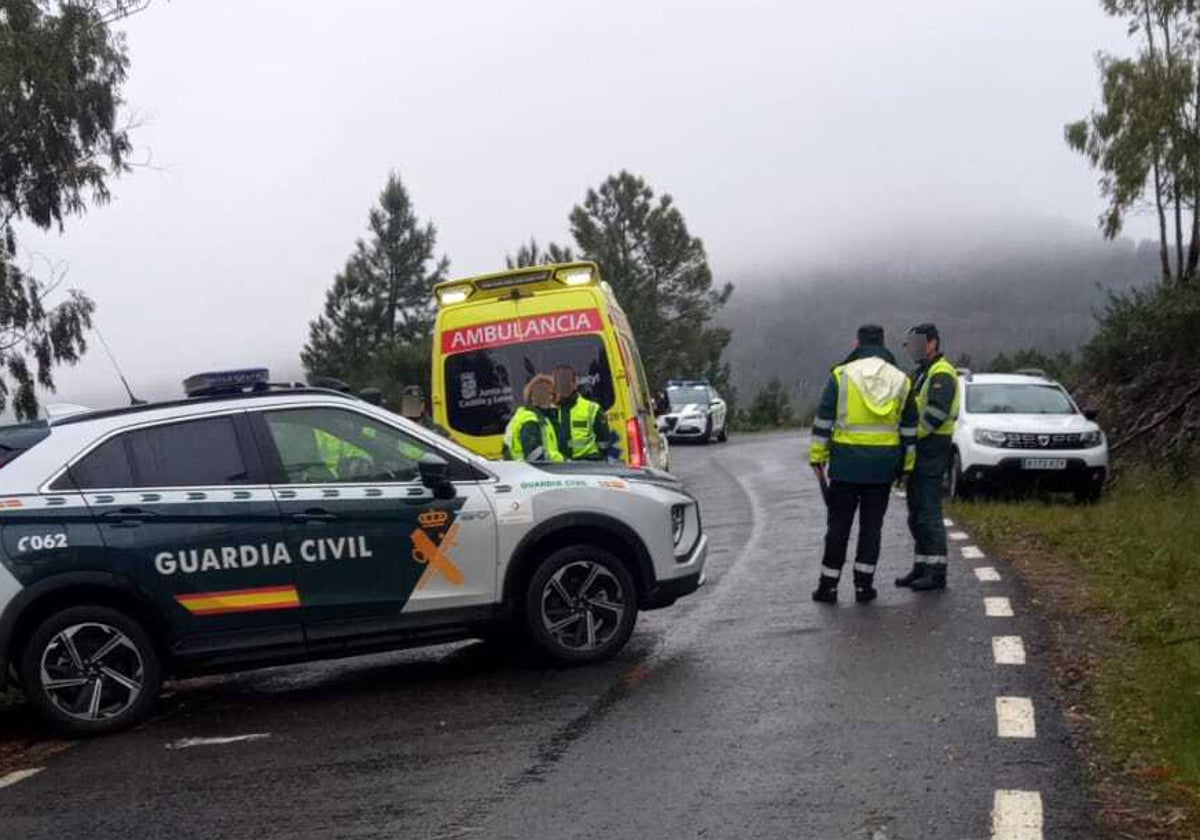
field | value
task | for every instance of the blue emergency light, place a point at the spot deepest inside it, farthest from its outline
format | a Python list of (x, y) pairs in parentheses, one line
[(217, 382)]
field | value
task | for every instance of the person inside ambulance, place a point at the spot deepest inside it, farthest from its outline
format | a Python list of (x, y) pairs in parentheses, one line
[(582, 428), (530, 435)]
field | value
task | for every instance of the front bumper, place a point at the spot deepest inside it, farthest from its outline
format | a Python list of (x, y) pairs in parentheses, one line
[(1011, 472), (690, 576)]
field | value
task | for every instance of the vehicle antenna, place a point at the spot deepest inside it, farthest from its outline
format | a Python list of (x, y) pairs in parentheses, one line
[(108, 351)]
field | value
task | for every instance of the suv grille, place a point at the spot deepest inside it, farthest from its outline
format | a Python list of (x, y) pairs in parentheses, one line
[(1033, 440)]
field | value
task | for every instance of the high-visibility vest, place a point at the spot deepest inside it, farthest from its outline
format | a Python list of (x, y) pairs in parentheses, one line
[(946, 423), (871, 397), (582, 421), (513, 449)]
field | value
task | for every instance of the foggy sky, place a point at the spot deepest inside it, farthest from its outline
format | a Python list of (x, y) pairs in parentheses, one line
[(785, 130)]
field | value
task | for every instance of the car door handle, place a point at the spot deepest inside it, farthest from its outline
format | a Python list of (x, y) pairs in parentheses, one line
[(128, 517), (314, 516)]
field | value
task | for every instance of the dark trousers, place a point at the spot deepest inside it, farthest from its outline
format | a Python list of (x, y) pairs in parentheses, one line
[(925, 521), (870, 501)]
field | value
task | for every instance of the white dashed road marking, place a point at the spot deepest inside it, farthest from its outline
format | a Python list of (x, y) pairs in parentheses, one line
[(970, 552), (949, 523), (997, 607), (1017, 815), (18, 776), (987, 574), (1014, 718), (959, 536), (184, 743), (1008, 650)]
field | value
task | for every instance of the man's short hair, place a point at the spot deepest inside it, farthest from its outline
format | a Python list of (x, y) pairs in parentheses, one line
[(870, 334), (927, 330)]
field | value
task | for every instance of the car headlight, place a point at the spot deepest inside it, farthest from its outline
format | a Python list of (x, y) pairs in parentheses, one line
[(987, 437), (678, 523), (1092, 438)]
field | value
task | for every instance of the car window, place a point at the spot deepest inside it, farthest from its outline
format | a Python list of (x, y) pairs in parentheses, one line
[(105, 466), (483, 386), (996, 398), (332, 445), (681, 396), (193, 453)]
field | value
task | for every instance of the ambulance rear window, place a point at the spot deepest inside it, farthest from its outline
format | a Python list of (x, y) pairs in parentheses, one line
[(482, 386)]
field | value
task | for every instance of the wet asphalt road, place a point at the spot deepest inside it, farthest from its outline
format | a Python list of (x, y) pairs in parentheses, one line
[(744, 711)]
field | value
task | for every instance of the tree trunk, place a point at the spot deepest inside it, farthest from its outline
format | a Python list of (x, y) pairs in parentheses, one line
[(1163, 254), (1194, 129)]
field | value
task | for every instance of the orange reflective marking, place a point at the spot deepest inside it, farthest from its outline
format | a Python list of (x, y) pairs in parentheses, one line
[(436, 556)]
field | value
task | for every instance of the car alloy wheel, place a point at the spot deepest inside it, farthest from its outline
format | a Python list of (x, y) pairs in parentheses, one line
[(583, 606), (91, 672)]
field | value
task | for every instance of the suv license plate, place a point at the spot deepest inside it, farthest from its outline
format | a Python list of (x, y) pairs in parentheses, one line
[(1044, 464)]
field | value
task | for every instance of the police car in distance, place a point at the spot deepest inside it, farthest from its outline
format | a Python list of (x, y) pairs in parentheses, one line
[(1024, 429), (250, 525), (695, 411)]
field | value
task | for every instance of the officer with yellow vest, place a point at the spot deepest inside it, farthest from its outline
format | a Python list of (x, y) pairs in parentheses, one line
[(583, 431), (864, 435), (530, 435), (936, 391)]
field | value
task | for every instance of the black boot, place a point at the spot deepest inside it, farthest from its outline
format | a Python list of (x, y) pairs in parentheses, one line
[(918, 571), (933, 579), (826, 592), (865, 593)]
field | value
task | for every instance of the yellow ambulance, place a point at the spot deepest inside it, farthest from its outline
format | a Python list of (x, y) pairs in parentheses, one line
[(497, 331)]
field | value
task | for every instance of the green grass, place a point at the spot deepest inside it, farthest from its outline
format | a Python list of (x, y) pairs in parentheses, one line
[(1135, 558)]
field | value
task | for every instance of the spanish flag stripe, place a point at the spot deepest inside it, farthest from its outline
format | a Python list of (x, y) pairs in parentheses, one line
[(240, 600)]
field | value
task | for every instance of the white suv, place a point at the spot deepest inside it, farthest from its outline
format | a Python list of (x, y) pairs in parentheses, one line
[(1022, 429), (695, 411)]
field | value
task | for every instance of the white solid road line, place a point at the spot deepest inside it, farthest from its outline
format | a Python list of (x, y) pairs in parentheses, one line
[(959, 536), (184, 743), (1008, 650), (997, 608), (987, 574), (970, 552), (18, 776), (1014, 718), (1017, 815)]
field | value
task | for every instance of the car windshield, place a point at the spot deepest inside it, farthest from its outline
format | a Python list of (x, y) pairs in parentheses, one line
[(483, 386), (679, 397), (1017, 398)]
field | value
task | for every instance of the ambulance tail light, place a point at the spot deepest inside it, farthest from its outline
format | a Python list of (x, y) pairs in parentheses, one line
[(637, 442)]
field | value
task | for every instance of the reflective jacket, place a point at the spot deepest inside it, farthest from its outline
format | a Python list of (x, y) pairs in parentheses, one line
[(584, 429), (865, 427), (937, 398), (530, 436)]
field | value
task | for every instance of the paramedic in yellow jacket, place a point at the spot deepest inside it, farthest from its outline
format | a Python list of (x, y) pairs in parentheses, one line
[(530, 435)]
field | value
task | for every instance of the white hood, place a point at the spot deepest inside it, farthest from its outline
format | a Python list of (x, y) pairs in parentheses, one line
[(1045, 423)]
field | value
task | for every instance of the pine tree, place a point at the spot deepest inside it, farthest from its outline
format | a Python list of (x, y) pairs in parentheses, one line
[(381, 305), (532, 254), (660, 274)]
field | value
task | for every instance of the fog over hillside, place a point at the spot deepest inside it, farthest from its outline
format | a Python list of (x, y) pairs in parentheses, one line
[(1013, 289)]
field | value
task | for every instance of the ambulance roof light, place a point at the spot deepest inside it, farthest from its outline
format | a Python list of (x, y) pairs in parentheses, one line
[(226, 382), (454, 294), (578, 276)]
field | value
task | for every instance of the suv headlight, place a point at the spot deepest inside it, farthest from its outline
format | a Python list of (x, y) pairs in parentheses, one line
[(1092, 438), (685, 529), (987, 437), (678, 523)]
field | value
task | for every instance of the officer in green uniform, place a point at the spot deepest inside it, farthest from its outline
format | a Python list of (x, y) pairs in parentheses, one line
[(582, 427), (936, 397), (530, 435), (864, 435)]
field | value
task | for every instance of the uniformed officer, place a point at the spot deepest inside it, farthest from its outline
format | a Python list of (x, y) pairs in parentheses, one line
[(530, 435), (582, 428), (936, 390), (864, 435)]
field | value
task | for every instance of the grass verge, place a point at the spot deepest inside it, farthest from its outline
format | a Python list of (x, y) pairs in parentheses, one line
[(1120, 585)]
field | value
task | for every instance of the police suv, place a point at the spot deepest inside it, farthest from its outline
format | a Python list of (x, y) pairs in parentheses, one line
[(251, 525)]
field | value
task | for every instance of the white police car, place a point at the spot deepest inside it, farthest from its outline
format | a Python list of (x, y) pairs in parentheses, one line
[(1024, 429), (234, 530), (696, 411)]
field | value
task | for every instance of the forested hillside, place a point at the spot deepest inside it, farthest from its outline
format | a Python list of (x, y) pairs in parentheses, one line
[(987, 298)]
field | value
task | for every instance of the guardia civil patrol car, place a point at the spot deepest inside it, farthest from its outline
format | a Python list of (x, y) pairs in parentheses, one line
[(249, 525)]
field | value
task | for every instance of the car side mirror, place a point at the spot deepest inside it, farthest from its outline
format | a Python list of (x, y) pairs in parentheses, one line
[(435, 474), (1091, 413)]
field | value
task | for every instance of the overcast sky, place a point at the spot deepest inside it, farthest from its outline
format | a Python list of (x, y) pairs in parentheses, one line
[(783, 128)]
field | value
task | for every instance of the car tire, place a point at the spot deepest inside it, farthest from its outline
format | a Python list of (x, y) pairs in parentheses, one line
[(580, 605), (708, 431), (958, 488), (89, 670), (723, 435)]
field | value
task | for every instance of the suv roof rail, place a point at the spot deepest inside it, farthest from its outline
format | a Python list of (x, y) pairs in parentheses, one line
[(298, 389), (1032, 372)]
